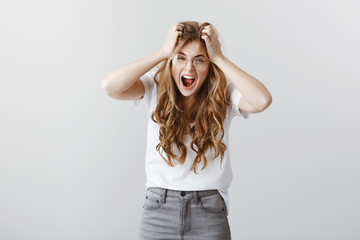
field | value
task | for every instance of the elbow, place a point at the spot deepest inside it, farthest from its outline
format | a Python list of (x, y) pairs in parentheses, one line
[(105, 86), (265, 103), (110, 90)]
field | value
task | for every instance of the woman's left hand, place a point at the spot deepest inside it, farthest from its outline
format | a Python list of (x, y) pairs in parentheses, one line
[(212, 42)]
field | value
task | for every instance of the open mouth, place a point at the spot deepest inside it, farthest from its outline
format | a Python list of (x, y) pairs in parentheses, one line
[(187, 81)]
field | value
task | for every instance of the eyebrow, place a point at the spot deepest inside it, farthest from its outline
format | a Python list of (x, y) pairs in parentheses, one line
[(199, 55)]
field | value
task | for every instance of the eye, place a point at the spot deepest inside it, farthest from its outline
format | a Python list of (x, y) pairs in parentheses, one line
[(181, 58), (199, 60)]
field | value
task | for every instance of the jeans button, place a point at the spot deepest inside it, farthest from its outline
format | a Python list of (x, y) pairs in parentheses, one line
[(182, 193)]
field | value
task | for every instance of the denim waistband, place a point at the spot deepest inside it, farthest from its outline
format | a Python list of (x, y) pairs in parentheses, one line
[(178, 193)]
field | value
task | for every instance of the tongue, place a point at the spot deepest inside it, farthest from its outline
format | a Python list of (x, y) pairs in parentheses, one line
[(188, 82)]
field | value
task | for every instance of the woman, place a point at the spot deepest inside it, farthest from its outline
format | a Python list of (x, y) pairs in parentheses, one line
[(190, 105)]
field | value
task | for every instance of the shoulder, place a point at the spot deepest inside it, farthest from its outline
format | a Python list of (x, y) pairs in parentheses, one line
[(148, 79)]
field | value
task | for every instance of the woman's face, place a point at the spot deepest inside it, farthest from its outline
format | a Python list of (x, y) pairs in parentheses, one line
[(189, 79)]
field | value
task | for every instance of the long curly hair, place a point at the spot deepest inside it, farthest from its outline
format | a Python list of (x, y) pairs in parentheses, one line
[(209, 112)]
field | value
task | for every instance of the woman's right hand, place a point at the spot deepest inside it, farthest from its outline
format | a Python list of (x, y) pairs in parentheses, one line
[(172, 37)]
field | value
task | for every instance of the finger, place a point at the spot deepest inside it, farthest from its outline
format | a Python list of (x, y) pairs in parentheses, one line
[(206, 38), (207, 30), (179, 27), (208, 27), (205, 33), (210, 31), (178, 24), (212, 35), (178, 34)]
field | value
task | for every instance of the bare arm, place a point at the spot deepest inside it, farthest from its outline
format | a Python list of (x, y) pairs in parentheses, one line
[(122, 78), (124, 83), (256, 97)]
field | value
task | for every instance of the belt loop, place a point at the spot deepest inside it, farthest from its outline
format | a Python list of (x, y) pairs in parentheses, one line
[(196, 196), (164, 195)]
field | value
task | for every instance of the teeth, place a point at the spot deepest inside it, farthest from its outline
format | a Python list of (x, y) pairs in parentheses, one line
[(188, 77)]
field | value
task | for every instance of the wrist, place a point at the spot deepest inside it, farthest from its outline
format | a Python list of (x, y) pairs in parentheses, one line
[(162, 56), (218, 59)]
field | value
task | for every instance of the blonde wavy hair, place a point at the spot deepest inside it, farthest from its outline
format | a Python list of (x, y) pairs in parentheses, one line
[(209, 112)]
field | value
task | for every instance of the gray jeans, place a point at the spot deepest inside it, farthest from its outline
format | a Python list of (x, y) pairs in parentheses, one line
[(170, 214)]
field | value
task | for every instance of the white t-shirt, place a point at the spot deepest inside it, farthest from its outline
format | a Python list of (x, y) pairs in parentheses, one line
[(181, 177)]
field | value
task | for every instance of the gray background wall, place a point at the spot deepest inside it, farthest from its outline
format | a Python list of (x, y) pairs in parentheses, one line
[(72, 158)]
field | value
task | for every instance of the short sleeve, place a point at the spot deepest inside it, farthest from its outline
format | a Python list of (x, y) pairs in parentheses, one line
[(235, 96), (149, 85)]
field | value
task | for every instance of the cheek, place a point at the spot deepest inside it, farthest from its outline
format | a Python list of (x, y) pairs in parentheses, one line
[(203, 77), (173, 72), (174, 79), (175, 75)]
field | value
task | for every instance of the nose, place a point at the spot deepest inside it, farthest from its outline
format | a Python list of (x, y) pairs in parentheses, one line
[(189, 63)]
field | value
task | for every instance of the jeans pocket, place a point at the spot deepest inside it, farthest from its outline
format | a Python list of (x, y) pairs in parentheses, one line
[(212, 204), (152, 201)]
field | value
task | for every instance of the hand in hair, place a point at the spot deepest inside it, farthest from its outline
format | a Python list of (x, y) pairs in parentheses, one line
[(213, 45), (172, 37)]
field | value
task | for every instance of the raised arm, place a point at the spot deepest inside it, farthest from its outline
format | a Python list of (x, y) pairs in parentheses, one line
[(124, 82), (256, 97)]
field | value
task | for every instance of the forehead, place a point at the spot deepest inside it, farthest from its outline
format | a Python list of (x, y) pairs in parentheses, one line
[(193, 49)]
